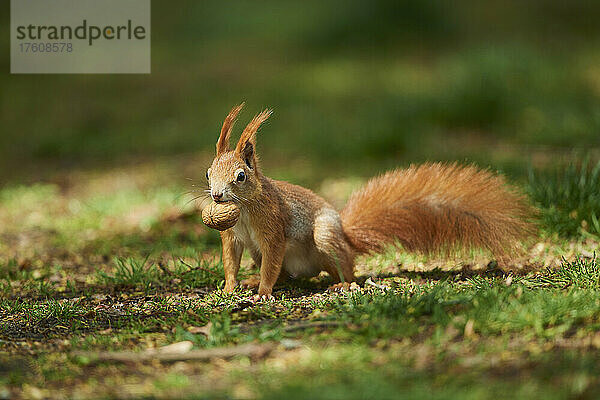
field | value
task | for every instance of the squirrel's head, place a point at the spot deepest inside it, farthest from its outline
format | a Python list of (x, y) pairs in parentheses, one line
[(234, 174)]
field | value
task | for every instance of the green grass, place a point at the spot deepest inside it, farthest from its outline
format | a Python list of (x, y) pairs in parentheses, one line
[(131, 272), (136, 271), (348, 372), (139, 273), (493, 309), (444, 339), (569, 199)]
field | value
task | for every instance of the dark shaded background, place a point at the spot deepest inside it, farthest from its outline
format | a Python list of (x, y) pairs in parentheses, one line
[(356, 87)]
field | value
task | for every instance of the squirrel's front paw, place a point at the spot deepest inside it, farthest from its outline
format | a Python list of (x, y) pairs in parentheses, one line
[(230, 286), (343, 287), (260, 298)]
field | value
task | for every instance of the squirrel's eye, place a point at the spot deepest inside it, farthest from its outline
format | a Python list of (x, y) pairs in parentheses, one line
[(207, 171), (241, 176)]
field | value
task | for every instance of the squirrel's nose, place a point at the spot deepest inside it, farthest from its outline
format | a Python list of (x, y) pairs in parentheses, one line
[(217, 196)]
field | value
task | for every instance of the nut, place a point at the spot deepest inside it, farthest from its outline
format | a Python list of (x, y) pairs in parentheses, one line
[(221, 216)]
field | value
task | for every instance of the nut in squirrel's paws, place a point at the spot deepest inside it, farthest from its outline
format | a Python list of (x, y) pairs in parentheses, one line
[(220, 216)]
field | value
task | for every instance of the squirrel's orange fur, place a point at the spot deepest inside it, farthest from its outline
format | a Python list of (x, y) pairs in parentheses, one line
[(290, 231)]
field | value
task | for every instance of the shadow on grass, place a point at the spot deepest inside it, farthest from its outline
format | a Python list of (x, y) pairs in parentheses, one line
[(465, 273)]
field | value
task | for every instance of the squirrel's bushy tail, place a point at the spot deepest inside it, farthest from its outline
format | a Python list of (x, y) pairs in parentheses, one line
[(437, 208)]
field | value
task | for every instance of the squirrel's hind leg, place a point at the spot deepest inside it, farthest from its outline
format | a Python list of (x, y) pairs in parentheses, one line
[(341, 271), (254, 281), (335, 253)]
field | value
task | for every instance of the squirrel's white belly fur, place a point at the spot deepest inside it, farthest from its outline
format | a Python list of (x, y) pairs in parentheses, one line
[(302, 255), (244, 232)]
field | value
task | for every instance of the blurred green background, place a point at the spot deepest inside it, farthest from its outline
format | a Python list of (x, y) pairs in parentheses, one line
[(356, 87)]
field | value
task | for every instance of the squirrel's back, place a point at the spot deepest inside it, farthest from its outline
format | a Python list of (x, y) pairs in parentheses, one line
[(301, 205), (437, 207)]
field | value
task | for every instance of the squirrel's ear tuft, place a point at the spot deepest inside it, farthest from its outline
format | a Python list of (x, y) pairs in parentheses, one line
[(223, 142), (246, 145)]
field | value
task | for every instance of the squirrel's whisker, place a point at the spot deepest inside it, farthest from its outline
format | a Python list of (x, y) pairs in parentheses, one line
[(195, 198)]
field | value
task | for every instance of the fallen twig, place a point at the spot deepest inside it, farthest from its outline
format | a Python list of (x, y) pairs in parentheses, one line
[(247, 350), (306, 325), (313, 324)]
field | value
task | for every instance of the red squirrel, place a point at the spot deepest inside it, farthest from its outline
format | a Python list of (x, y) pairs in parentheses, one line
[(290, 231)]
